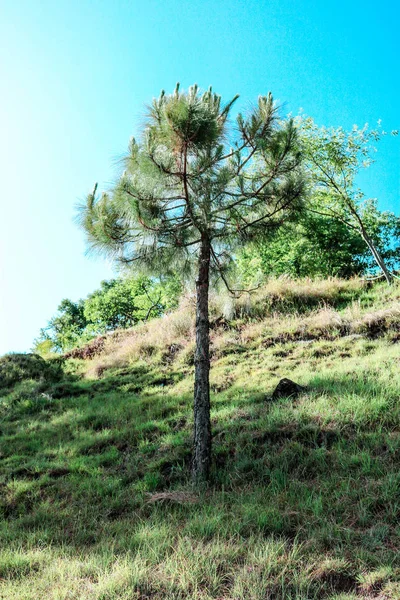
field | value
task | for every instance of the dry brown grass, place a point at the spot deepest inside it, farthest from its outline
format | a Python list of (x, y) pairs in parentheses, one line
[(379, 321), (174, 497), (282, 310), (282, 294), (173, 330)]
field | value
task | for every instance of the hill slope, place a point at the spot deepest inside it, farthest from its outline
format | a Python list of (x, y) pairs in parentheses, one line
[(305, 498)]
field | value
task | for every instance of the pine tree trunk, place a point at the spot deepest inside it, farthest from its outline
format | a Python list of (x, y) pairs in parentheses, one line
[(202, 425)]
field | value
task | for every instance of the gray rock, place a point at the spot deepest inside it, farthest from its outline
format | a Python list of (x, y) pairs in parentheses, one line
[(287, 388)]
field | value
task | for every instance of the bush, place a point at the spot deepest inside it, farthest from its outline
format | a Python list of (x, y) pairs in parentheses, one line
[(15, 368)]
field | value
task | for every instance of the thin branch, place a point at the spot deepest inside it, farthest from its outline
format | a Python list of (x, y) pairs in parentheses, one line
[(333, 215), (233, 292)]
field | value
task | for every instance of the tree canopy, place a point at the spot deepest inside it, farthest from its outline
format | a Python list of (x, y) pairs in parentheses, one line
[(333, 158), (117, 304), (319, 245), (194, 175)]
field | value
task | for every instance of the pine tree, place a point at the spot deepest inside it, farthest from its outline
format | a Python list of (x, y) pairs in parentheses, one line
[(194, 189)]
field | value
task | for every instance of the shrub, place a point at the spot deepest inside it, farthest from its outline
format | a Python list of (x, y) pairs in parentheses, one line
[(16, 367)]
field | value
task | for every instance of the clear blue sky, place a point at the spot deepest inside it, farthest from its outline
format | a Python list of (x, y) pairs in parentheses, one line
[(75, 74)]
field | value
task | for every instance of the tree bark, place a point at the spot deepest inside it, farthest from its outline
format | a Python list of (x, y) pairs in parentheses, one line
[(376, 254), (368, 240), (202, 425)]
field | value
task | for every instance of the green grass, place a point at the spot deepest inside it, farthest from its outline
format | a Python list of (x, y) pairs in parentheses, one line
[(304, 501)]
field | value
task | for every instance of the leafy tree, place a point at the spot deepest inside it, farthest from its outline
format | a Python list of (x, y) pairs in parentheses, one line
[(118, 303), (334, 158), (65, 328), (44, 345), (384, 229), (315, 246), (122, 303), (193, 190), (318, 245)]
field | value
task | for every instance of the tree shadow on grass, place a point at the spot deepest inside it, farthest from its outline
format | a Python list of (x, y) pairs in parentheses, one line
[(79, 473)]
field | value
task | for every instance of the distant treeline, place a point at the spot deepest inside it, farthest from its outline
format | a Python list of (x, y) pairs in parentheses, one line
[(118, 304)]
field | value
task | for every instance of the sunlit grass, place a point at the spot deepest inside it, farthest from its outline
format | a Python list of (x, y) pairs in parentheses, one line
[(96, 501)]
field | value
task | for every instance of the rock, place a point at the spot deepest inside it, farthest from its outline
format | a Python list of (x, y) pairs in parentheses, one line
[(287, 388)]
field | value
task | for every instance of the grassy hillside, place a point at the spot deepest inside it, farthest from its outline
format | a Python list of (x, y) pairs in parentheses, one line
[(95, 498)]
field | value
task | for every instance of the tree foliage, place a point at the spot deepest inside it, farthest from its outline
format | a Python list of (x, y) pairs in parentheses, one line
[(118, 303), (121, 303), (333, 158), (184, 182), (318, 245), (64, 330)]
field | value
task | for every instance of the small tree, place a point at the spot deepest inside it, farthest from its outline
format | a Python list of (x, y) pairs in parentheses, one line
[(317, 245), (117, 304), (193, 190), (123, 302), (63, 331), (333, 158)]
